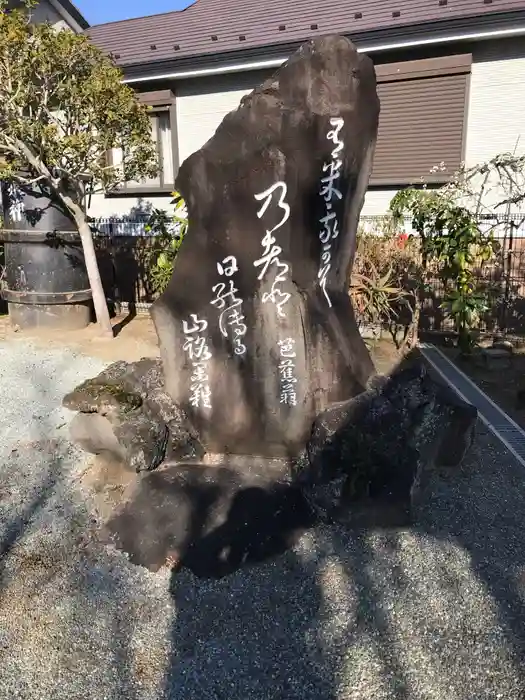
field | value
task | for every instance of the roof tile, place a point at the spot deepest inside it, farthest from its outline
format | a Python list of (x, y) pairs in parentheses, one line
[(259, 21)]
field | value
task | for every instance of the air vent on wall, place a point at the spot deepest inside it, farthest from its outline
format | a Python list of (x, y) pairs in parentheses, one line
[(396, 13), (282, 27), (314, 26), (358, 15), (214, 37), (152, 47), (242, 37), (442, 3), (176, 47)]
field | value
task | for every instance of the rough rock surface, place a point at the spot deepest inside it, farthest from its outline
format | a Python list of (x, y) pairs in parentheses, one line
[(125, 411), (135, 439), (256, 329), (212, 519), (373, 454)]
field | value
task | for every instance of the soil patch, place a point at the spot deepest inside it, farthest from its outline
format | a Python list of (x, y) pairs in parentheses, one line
[(384, 355), (136, 339)]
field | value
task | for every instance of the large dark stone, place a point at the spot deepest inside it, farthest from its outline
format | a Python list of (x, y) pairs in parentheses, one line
[(125, 411), (368, 458), (137, 440), (211, 519), (256, 329)]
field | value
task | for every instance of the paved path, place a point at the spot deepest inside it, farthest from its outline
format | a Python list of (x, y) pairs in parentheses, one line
[(436, 612)]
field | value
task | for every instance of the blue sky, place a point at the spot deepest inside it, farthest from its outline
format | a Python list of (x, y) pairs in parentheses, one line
[(99, 11)]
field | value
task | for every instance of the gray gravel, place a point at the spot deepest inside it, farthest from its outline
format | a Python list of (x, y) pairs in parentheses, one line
[(433, 613)]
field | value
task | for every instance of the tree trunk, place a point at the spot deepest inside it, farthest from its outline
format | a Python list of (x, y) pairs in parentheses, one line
[(99, 297), (90, 258), (414, 335)]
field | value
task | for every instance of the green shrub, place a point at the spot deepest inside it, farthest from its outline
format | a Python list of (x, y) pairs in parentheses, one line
[(452, 243), (167, 242), (381, 285)]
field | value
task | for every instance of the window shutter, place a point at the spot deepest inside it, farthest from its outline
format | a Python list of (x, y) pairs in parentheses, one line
[(422, 120)]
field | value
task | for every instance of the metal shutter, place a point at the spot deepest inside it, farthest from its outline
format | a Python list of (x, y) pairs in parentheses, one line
[(422, 121)]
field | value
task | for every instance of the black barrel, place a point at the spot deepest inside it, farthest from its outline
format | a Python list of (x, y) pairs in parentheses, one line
[(46, 283)]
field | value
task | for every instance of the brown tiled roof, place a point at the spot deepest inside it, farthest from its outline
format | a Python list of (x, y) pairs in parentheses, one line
[(217, 26)]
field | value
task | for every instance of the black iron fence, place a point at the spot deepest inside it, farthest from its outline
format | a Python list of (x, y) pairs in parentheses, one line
[(501, 280), (126, 251), (502, 226)]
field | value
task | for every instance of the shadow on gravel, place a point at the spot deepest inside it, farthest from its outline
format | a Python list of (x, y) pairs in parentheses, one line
[(128, 665), (14, 522), (14, 529), (251, 635), (485, 515), (402, 614), (210, 519), (479, 512)]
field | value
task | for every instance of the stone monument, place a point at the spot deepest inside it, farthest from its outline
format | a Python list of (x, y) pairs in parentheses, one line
[(263, 370), (256, 329)]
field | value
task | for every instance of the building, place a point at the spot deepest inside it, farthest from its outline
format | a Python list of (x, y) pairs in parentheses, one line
[(451, 75), (62, 14)]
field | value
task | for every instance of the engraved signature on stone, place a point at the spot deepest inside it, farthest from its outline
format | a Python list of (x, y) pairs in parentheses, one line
[(286, 372), (196, 347)]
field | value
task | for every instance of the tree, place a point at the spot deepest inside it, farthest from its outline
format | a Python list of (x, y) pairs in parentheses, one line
[(456, 226), (451, 242), (63, 107), (495, 191), (494, 188), (169, 231)]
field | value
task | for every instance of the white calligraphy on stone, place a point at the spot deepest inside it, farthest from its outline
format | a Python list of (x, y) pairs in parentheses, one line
[(287, 372), (329, 191), (337, 123), (228, 266), (230, 305), (196, 347), (271, 251), (16, 204)]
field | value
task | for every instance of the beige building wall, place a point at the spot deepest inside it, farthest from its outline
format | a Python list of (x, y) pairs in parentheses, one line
[(496, 114), (51, 11), (495, 117)]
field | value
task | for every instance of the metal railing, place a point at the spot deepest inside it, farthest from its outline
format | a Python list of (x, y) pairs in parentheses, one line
[(120, 227), (499, 225), (503, 278), (375, 223)]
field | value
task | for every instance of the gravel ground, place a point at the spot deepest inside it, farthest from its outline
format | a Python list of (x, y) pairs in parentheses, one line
[(433, 613)]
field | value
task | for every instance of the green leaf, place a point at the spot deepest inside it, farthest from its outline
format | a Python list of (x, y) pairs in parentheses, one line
[(162, 260)]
